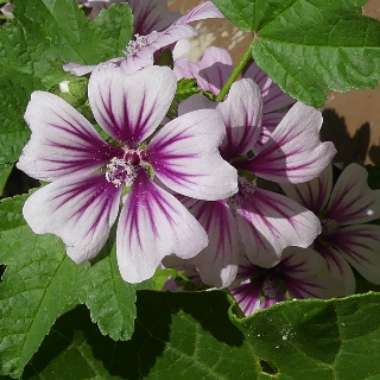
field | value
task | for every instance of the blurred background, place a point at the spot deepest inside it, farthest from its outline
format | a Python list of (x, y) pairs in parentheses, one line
[(352, 120)]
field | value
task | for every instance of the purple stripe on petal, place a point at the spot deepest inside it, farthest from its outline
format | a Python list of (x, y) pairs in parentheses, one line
[(128, 107), (248, 297), (218, 263), (185, 157), (154, 224), (352, 201), (242, 112), (81, 211), (201, 12), (315, 194), (279, 220), (63, 142), (151, 15), (294, 152)]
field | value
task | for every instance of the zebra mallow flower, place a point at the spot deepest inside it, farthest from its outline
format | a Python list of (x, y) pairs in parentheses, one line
[(212, 71), (347, 240), (154, 29), (300, 274), (261, 222), (89, 176)]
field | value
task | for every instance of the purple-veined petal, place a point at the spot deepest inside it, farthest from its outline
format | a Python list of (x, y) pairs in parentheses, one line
[(274, 98), (143, 56), (77, 69), (217, 264), (302, 273), (338, 268), (201, 12), (314, 195), (211, 72), (306, 274), (62, 143), (257, 247), (81, 211), (261, 78), (248, 296), (275, 220), (352, 200), (151, 15), (214, 69), (185, 156), (257, 288), (269, 123), (131, 107), (360, 246), (154, 224), (185, 69), (241, 112), (295, 152), (195, 103)]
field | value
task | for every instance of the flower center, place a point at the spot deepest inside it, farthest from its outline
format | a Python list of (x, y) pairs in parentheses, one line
[(270, 288), (137, 44), (247, 187), (329, 226), (273, 286), (124, 171)]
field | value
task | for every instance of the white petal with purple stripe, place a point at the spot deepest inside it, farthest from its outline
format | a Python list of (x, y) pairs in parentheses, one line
[(294, 152), (352, 201), (315, 194), (81, 211), (360, 246), (217, 264), (274, 221), (63, 142), (185, 157), (242, 113), (130, 108), (154, 224)]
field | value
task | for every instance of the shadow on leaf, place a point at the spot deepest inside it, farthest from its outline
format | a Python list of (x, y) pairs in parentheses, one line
[(76, 349)]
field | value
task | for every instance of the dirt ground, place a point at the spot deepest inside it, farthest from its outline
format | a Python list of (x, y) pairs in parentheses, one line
[(352, 119)]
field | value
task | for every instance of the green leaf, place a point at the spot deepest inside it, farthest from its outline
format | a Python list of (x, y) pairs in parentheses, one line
[(187, 336), (11, 213), (250, 15), (5, 171), (56, 32), (13, 133), (110, 299), (41, 283), (114, 28), (311, 47), (33, 47)]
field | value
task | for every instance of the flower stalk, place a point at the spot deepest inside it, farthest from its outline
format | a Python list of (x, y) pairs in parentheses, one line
[(236, 72)]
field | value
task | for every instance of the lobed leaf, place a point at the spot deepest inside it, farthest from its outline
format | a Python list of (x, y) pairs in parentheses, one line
[(187, 336), (41, 283), (311, 47), (44, 35)]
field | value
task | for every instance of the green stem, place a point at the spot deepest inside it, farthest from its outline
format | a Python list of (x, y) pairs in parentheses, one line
[(245, 59)]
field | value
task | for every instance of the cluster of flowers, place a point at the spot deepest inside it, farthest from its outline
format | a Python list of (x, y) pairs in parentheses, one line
[(239, 194)]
